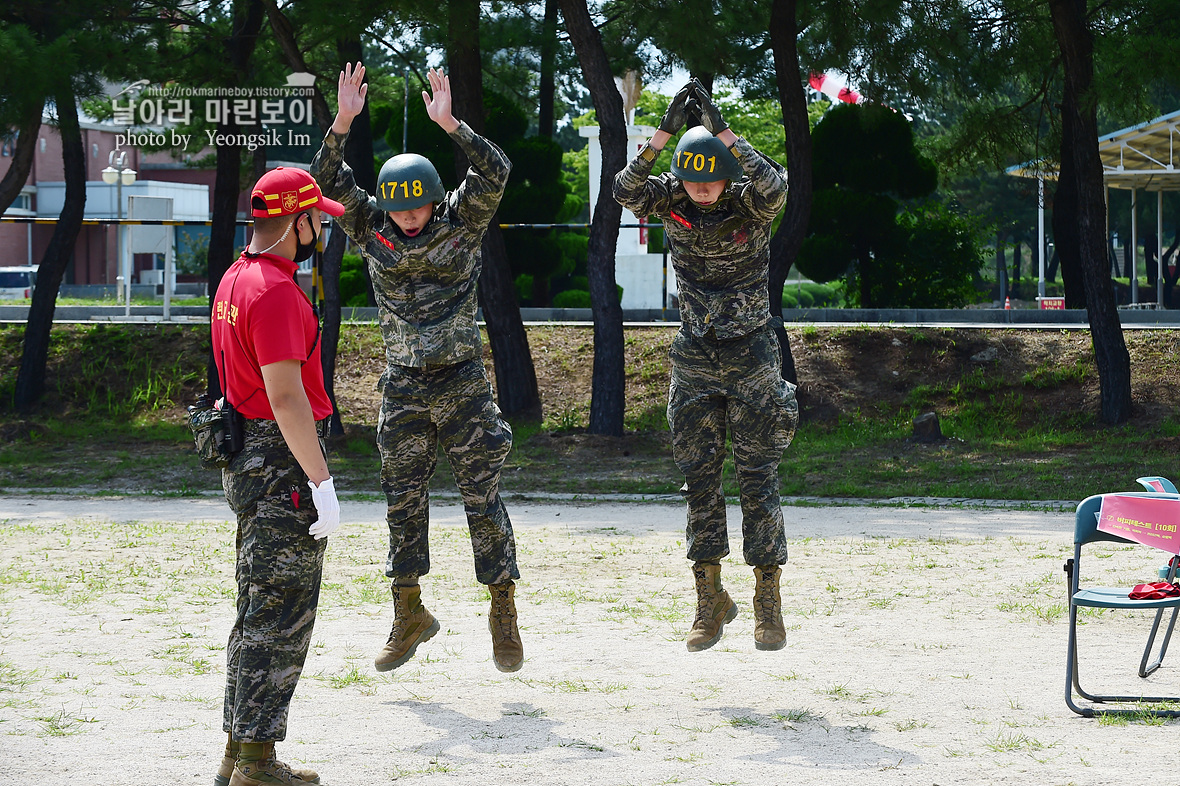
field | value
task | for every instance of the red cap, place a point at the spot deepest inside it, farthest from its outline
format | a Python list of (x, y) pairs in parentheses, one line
[(285, 192)]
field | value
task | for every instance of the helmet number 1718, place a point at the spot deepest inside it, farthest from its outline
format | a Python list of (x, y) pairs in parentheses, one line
[(408, 188)]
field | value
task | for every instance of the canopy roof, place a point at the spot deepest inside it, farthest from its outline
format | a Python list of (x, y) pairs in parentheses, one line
[(1146, 157)]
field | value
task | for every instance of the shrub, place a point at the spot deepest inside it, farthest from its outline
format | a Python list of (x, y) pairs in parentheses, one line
[(572, 298), (354, 290)]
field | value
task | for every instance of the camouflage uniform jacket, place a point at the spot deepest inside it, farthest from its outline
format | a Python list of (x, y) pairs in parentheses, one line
[(720, 252), (425, 285)]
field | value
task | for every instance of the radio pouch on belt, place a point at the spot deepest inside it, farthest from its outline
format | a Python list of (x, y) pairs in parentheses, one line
[(235, 435), (210, 433), (218, 429)]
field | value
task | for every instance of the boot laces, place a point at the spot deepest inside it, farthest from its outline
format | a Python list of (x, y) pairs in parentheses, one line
[(501, 613), (399, 621), (705, 598), (764, 594)]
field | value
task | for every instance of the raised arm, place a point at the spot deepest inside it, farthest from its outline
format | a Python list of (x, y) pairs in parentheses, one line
[(767, 191), (438, 101), (479, 194), (351, 90), (334, 176), (633, 188)]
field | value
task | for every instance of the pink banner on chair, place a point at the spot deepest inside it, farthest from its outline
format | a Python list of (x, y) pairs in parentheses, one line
[(1152, 521)]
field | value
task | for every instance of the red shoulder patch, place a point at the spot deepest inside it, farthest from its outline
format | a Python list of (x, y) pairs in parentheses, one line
[(679, 219), (387, 243)]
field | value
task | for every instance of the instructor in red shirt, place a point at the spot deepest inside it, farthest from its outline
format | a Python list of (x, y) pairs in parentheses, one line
[(267, 351)]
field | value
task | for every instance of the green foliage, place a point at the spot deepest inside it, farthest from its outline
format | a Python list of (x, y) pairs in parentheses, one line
[(354, 290), (524, 287), (575, 171), (809, 294), (110, 374), (866, 169), (576, 246), (938, 254), (572, 298), (192, 253), (537, 193), (870, 149)]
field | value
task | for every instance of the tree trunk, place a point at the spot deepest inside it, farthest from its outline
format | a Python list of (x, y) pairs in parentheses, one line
[(1017, 263), (864, 266), (358, 154), (1051, 268), (546, 124), (516, 377), (1170, 273), (541, 297), (1079, 115), (1001, 267), (289, 45), (239, 47), (223, 229), (609, 381), (30, 381), (792, 230), (22, 158), (1065, 210)]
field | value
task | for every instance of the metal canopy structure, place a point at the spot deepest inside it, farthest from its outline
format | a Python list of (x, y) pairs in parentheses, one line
[(1145, 157)]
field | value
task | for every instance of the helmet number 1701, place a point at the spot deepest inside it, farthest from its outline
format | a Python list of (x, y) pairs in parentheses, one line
[(696, 161)]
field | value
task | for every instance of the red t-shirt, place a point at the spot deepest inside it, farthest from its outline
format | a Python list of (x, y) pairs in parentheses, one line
[(261, 316)]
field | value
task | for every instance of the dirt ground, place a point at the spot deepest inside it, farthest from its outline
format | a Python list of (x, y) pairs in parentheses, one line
[(925, 646)]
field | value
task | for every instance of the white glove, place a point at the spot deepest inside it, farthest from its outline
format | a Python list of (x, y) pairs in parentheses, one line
[(324, 498)]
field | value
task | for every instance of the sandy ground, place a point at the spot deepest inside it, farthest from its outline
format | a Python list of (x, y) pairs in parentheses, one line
[(926, 646)]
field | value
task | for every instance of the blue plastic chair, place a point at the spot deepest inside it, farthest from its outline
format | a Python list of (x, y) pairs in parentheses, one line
[(1166, 572), (1085, 532)]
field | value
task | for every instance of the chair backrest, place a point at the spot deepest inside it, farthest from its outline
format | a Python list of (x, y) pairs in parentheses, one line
[(1086, 520), (1085, 526), (1157, 483)]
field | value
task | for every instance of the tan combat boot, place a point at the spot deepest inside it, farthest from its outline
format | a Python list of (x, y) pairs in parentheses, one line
[(769, 633), (226, 770), (507, 649), (714, 607), (412, 625), (257, 766)]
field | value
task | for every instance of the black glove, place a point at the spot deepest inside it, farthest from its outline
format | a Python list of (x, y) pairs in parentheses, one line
[(710, 115), (673, 119)]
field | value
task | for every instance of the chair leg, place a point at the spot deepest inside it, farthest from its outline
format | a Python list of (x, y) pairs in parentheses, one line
[(1071, 665), (1145, 668), (1073, 683)]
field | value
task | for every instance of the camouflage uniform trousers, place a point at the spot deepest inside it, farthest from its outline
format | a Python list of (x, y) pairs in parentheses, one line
[(735, 384), (278, 572), (451, 404)]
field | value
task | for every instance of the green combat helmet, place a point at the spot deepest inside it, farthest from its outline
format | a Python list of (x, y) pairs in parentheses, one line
[(407, 182), (702, 158)]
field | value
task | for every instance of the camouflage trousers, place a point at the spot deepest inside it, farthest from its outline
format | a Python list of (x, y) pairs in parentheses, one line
[(278, 572), (451, 405), (735, 384)]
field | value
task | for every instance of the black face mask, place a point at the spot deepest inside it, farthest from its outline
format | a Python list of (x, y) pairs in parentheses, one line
[(302, 251)]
